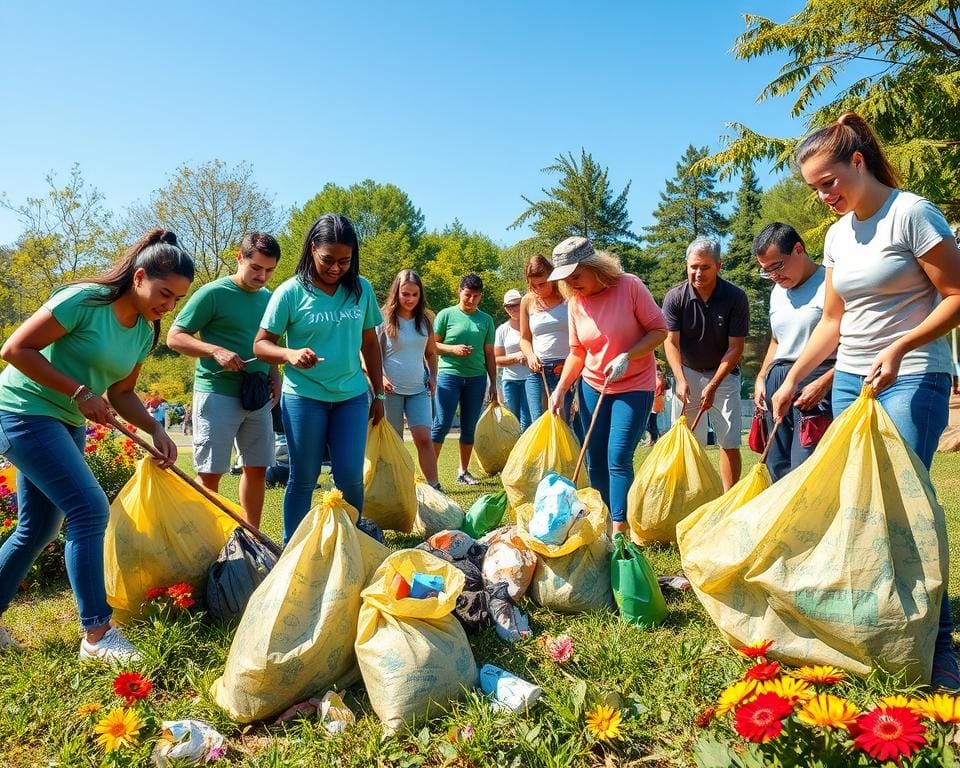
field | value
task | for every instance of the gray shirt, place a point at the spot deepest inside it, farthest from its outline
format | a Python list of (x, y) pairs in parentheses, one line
[(403, 361), (550, 332), (508, 338), (795, 312), (885, 291)]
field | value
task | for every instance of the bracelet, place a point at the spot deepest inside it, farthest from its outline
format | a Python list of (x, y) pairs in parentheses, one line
[(380, 396), (89, 395), (77, 391)]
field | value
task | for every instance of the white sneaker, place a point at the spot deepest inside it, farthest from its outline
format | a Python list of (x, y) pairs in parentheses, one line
[(7, 643), (112, 647)]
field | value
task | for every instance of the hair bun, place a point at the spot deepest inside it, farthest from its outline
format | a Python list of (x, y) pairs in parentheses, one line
[(166, 236)]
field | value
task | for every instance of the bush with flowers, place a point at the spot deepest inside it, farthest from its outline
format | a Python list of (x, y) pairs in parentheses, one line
[(799, 717), (49, 566), (111, 457)]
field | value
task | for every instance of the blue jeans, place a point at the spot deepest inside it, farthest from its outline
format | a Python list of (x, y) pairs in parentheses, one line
[(515, 398), (311, 426), (919, 405), (537, 398), (53, 483), (620, 423), (786, 453), (453, 390)]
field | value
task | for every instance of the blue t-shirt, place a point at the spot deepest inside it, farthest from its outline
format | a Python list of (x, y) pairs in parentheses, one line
[(332, 326)]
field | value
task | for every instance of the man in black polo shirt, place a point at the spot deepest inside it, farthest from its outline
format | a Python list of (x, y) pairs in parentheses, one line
[(707, 323)]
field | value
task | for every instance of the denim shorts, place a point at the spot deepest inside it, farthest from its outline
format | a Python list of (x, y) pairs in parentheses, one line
[(417, 408), (218, 421)]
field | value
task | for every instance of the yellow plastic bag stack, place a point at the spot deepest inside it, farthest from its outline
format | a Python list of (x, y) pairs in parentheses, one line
[(843, 561), (699, 526), (413, 654), (161, 532), (572, 577), (675, 479), (296, 635), (497, 432), (435, 512), (548, 445), (389, 485)]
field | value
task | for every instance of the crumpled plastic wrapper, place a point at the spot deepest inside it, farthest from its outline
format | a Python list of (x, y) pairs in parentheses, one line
[(191, 740)]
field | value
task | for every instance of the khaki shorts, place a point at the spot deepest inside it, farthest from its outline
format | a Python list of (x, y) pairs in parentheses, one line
[(724, 415)]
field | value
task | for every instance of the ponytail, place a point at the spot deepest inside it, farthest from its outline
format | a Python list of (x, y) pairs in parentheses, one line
[(839, 140)]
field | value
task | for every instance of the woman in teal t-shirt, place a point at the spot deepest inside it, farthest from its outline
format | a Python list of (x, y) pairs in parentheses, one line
[(88, 339), (329, 315)]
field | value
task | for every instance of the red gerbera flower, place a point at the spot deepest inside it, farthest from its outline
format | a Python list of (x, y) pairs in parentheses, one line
[(90, 448), (756, 650), (761, 720), (131, 686), (153, 594), (183, 601), (889, 733), (180, 590), (763, 671)]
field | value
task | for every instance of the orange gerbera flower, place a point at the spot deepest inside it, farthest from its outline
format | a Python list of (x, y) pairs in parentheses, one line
[(819, 674)]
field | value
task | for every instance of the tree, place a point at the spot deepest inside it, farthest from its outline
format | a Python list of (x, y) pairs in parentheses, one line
[(739, 265), (210, 207), (905, 57), (582, 204), (792, 202), (688, 208), (67, 234)]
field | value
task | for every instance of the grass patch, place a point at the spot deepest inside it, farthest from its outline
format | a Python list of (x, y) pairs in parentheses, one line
[(665, 677)]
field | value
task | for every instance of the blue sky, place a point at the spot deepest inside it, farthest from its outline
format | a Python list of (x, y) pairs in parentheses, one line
[(459, 104)]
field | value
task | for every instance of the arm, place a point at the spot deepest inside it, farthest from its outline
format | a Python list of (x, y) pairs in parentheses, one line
[(526, 336), (760, 385), (276, 386), (671, 348), (503, 359), (265, 347), (382, 337), (431, 358), (729, 361), (572, 367), (491, 362), (126, 403), (456, 350), (187, 344), (815, 391), (372, 360)]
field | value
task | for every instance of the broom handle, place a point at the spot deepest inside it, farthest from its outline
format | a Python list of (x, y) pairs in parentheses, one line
[(696, 421), (766, 450), (546, 387), (258, 535), (586, 437)]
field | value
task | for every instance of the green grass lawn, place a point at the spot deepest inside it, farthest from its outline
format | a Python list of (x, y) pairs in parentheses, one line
[(664, 677)]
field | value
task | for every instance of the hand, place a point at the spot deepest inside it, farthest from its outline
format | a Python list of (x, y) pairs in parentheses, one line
[(885, 368), (166, 447), (387, 386), (95, 409), (810, 395), (707, 395), (617, 367), (463, 350), (519, 358), (782, 400), (301, 358), (556, 401), (534, 364), (229, 361), (376, 411), (432, 386), (760, 394), (494, 398), (682, 390)]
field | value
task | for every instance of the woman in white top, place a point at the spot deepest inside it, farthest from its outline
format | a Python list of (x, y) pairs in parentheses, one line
[(410, 365), (511, 360), (544, 336), (892, 293)]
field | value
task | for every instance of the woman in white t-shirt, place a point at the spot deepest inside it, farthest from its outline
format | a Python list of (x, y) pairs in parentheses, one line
[(410, 365), (892, 293), (511, 361)]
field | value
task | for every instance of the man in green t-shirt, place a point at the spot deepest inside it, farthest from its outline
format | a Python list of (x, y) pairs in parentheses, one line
[(217, 326)]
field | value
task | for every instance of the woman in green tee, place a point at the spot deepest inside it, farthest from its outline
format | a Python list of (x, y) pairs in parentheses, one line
[(88, 340)]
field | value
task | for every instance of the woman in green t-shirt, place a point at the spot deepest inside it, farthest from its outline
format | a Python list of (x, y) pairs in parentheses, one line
[(87, 340)]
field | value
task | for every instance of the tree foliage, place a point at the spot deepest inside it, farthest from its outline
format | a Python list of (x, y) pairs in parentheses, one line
[(895, 62), (582, 203), (739, 265), (210, 207), (792, 202)]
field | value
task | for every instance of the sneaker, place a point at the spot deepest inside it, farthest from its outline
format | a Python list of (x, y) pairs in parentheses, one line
[(112, 647), (437, 487), (7, 643), (465, 478)]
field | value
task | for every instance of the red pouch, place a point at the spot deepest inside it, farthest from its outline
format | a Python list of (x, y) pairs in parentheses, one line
[(758, 432), (812, 428)]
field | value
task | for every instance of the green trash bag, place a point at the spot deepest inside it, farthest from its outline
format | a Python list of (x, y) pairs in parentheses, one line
[(485, 514), (635, 586)]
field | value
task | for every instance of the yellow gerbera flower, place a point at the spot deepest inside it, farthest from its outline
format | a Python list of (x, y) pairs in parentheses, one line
[(827, 711), (736, 694), (118, 729), (940, 708), (820, 674), (899, 700), (604, 722), (790, 688)]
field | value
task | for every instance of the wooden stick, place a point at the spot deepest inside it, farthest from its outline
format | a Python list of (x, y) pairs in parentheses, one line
[(586, 437), (546, 387), (258, 535), (766, 450), (696, 421)]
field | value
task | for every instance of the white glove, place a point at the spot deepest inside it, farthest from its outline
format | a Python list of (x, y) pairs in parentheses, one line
[(556, 402), (617, 367)]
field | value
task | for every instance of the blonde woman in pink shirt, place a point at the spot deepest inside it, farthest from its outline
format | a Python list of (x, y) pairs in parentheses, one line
[(615, 325)]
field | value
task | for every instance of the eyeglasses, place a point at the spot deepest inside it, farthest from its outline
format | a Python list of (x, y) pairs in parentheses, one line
[(768, 272), (344, 264), (511, 306)]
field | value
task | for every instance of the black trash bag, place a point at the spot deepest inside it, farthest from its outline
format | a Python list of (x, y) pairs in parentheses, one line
[(472, 609), (243, 563), (370, 528), (511, 624), (254, 390)]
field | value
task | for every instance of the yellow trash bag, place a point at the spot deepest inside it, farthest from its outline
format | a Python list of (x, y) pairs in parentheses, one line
[(842, 562), (699, 525), (413, 654), (675, 479), (295, 638), (497, 432), (435, 512), (572, 577), (548, 445), (161, 532), (389, 485)]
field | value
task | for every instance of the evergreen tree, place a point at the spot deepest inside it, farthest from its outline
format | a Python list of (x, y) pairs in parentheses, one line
[(739, 264), (689, 208)]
